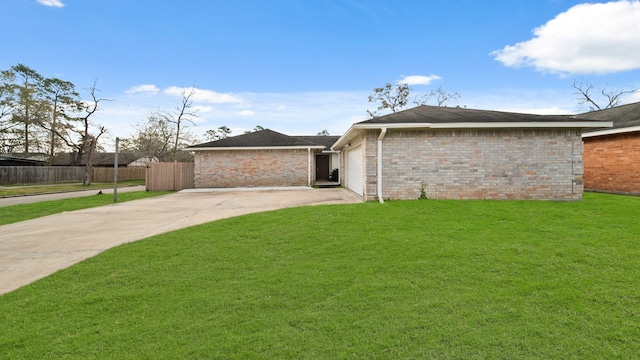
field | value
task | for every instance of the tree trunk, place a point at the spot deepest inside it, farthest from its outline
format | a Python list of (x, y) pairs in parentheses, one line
[(88, 173), (88, 169)]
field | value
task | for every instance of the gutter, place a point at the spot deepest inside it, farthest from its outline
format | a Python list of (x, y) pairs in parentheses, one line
[(309, 167), (383, 132), (610, 131), (222, 148)]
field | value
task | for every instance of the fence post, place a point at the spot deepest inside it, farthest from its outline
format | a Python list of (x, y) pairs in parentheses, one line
[(115, 173)]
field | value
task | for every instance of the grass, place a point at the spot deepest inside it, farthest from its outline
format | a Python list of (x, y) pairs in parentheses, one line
[(422, 279), (15, 213), (14, 190)]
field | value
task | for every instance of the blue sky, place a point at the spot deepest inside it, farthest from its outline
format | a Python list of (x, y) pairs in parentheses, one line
[(299, 67)]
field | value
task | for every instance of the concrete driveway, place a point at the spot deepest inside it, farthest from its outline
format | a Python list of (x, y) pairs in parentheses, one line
[(33, 249)]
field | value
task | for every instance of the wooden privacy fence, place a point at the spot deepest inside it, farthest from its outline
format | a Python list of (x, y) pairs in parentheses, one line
[(173, 176), (10, 175), (124, 173)]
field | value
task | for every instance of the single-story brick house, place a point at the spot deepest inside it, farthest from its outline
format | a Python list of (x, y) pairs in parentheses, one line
[(264, 158), (459, 153), (612, 155)]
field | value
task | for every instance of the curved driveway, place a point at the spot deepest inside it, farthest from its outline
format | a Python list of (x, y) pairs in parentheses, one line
[(33, 249)]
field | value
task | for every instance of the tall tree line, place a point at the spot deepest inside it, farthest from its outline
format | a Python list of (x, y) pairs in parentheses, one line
[(47, 116)]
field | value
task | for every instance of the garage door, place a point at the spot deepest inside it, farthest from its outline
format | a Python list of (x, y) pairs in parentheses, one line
[(354, 170)]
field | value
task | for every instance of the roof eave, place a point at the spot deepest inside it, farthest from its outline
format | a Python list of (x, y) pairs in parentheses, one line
[(356, 128), (611, 131), (302, 147), (524, 125)]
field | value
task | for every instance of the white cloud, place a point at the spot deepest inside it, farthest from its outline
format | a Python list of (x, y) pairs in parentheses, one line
[(631, 98), (53, 3), (419, 79), (203, 109), (143, 89), (586, 39), (202, 95), (245, 113)]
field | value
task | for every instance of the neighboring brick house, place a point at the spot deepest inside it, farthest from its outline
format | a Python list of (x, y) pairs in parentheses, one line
[(263, 158), (612, 155), (457, 153)]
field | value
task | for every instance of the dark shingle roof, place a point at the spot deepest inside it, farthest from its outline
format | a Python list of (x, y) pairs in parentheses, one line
[(99, 159), (22, 159), (440, 114), (262, 138), (327, 141), (622, 116)]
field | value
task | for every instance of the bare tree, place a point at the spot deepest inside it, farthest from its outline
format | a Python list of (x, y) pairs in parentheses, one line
[(181, 118), (81, 134), (152, 138), (389, 97), (89, 140), (606, 99), (217, 134), (396, 98), (257, 128), (441, 96)]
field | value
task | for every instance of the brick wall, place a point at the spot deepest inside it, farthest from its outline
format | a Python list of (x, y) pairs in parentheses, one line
[(251, 168), (477, 164), (612, 163)]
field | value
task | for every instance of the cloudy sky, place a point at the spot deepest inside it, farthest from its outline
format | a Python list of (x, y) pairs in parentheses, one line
[(302, 66)]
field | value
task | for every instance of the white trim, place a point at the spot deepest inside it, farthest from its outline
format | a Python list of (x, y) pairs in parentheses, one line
[(355, 128), (489, 125), (525, 125), (319, 147), (308, 166), (611, 131)]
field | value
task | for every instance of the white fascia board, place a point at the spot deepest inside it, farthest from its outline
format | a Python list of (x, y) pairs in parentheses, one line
[(315, 147), (611, 131), (490, 125), (344, 139), (524, 125), (394, 126)]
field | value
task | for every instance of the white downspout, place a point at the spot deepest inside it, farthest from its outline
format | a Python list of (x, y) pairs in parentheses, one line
[(383, 132), (309, 167)]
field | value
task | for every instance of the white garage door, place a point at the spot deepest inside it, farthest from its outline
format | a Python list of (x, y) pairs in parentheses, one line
[(354, 170)]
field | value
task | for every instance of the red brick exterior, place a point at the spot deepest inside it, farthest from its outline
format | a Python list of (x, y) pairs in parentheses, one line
[(252, 168), (612, 163)]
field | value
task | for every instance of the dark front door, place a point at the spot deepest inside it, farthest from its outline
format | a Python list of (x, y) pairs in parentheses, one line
[(322, 167)]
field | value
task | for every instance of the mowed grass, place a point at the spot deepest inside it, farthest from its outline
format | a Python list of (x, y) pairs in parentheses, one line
[(403, 280), (15, 213), (17, 190)]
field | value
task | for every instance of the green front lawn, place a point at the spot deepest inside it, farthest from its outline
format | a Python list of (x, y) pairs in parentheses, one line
[(402, 280), (15, 213), (15, 190)]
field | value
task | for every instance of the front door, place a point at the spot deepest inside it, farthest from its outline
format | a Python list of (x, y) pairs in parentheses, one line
[(322, 167)]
